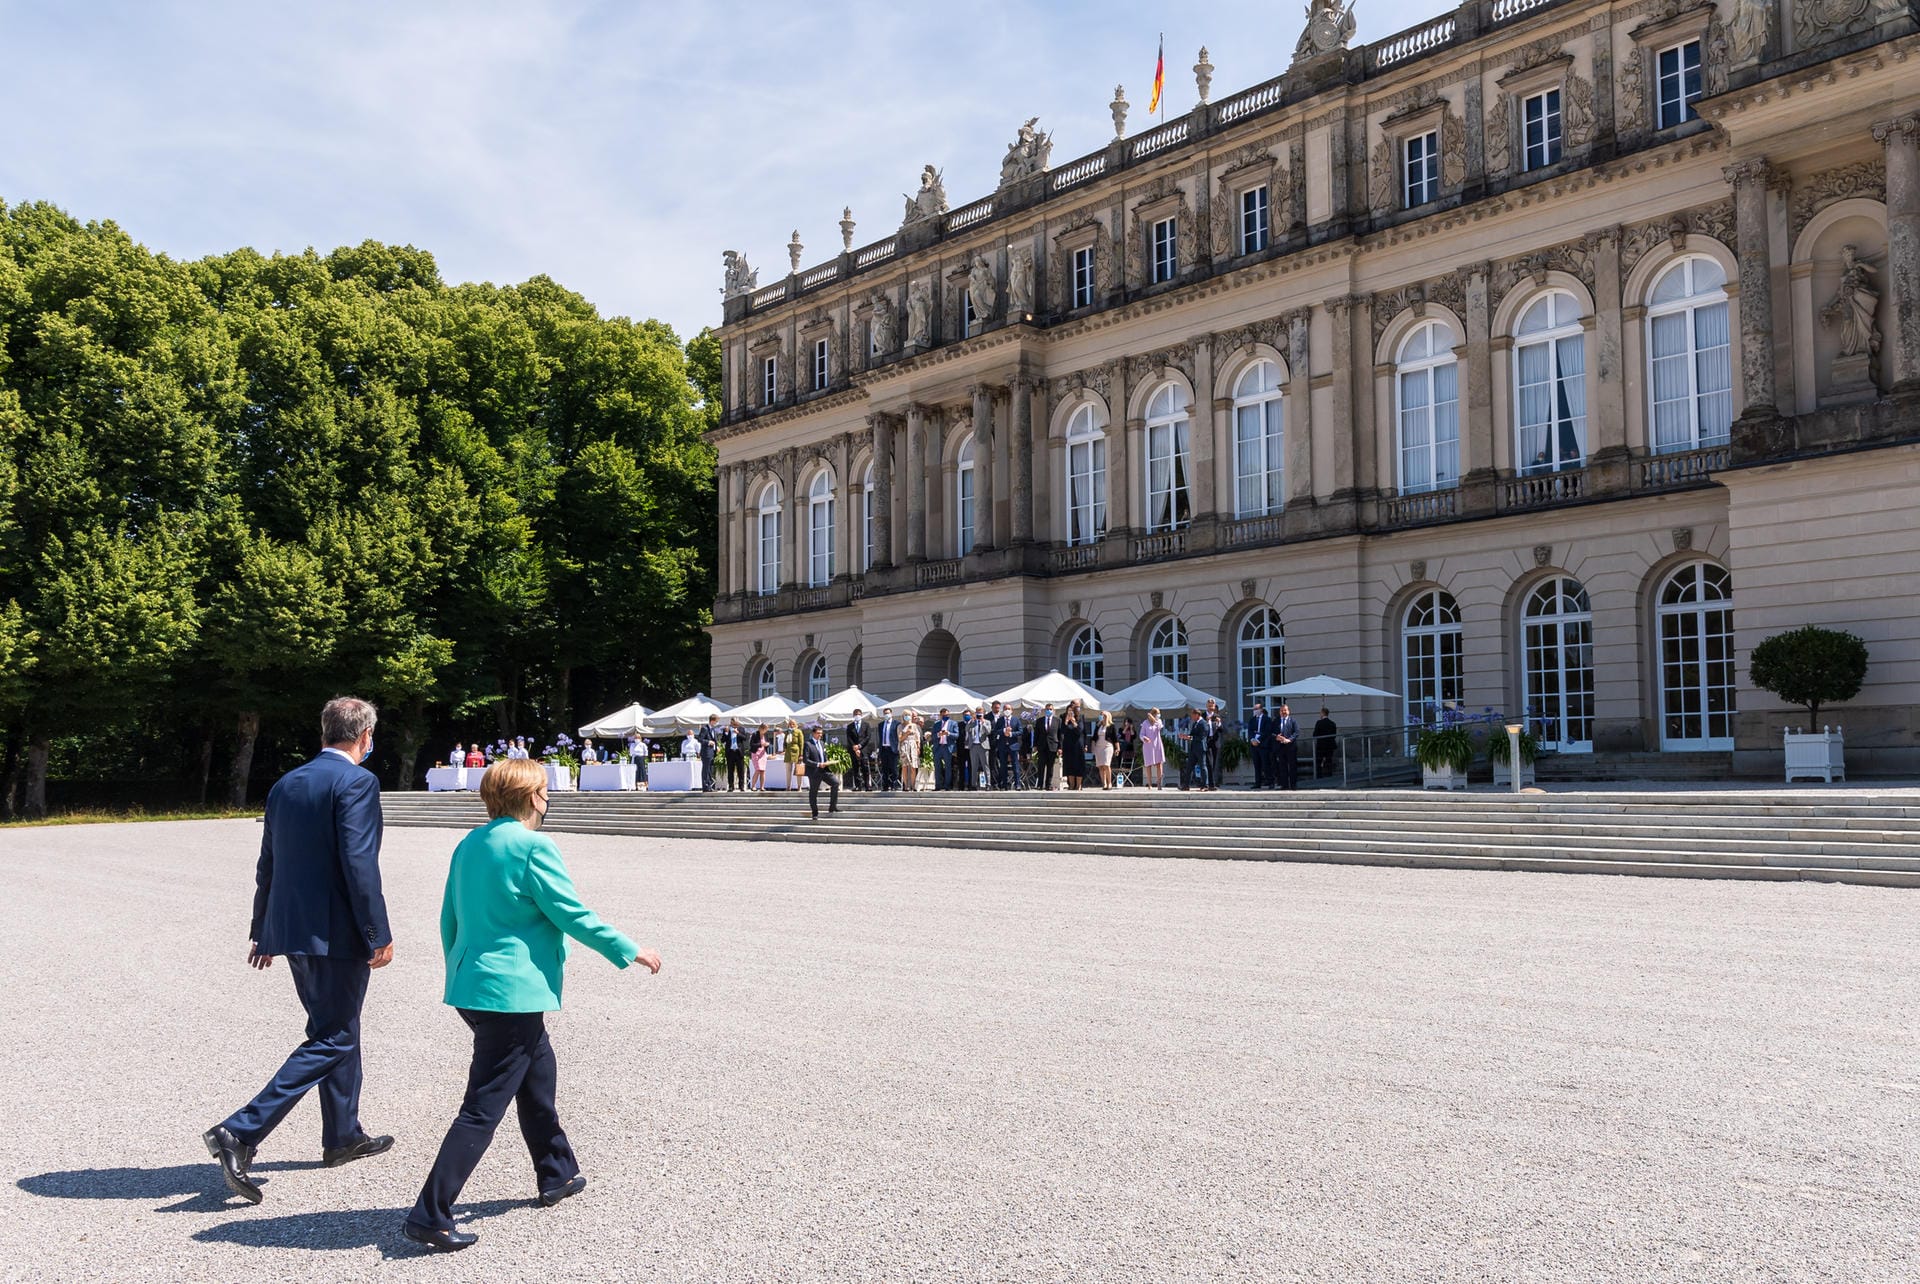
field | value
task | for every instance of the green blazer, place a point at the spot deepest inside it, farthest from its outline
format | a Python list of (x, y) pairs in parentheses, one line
[(508, 909)]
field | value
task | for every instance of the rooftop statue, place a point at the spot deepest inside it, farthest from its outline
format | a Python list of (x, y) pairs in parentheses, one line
[(741, 279), (930, 202), (1330, 26), (1026, 154)]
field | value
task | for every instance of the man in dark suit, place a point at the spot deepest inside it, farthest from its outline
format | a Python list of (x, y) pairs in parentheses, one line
[(856, 736), (1000, 746), (888, 734), (1326, 744), (317, 901), (1258, 744), (1046, 746), (736, 744), (1286, 733), (946, 737), (708, 738), (818, 770)]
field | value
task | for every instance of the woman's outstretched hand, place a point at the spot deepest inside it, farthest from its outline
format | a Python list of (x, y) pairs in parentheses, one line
[(649, 958)]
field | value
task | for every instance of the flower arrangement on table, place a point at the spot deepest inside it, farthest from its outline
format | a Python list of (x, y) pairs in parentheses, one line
[(563, 752)]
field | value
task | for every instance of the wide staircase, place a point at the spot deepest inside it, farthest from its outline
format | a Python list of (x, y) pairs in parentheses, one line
[(1850, 836)]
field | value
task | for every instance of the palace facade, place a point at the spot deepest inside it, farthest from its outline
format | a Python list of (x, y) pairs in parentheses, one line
[(1545, 357)]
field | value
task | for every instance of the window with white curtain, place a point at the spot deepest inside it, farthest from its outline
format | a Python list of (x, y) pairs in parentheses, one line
[(821, 371), (1427, 383), (1167, 649), (866, 520), (769, 573), (1690, 354), (1262, 651), (1086, 478), (1087, 658), (820, 529), (769, 381), (963, 499), (1259, 445), (1169, 500), (817, 689), (1550, 385)]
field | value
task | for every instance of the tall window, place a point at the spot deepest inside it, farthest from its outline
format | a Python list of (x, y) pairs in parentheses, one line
[(963, 500), (1086, 478), (1428, 381), (1255, 220), (1259, 448), (764, 682), (1557, 643), (1689, 347), (820, 529), (1167, 649), (1262, 654), (1420, 168), (1083, 277), (866, 520), (820, 365), (1087, 659), (968, 319), (856, 668), (1550, 385), (1540, 116), (1169, 502), (769, 578), (817, 688), (1679, 83), (1696, 659), (1166, 252), (1432, 646), (769, 380)]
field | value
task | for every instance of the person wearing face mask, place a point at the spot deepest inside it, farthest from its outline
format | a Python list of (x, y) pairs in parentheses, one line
[(317, 902), (508, 909)]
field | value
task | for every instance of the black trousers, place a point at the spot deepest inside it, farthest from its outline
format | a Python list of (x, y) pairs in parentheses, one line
[(707, 783), (889, 766), (816, 774), (331, 990), (1290, 766), (512, 1062), (1262, 755), (737, 770)]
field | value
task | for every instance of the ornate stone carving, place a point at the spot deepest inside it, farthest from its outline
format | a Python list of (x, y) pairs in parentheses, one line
[(795, 249), (1714, 220), (1119, 107), (1575, 258), (982, 291), (741, 279), (1203, 74), (1747, 33), (1151, 195), (1145, 366), (1453, 150), (1157, 597), (1380, 177), (1630, 110), (1446, 291), (1027, 154), (1543, 554), (881, 324), (1579, 111), (1418, 570), (1853, 307), (1272, 331), (920, 314), (1019, 281), (1866, 179), (1247, 587), (1095, 379), (1715, 57), (1330, 26), (846, 227), (1818, 21), (1500, 136), (1071, 234), (929, 202), (1253, 156)]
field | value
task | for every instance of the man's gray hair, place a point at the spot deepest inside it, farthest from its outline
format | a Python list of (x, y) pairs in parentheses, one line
[(345, 720)]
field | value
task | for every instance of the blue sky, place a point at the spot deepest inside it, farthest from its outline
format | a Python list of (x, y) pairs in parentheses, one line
[(617, 147)]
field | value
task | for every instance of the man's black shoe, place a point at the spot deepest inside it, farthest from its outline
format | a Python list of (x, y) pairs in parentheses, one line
[(359, 1148), (441, 1241), (566, 1190), (234, 1157)]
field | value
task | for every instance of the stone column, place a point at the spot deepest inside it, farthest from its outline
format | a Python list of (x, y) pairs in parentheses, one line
[(846, 510), (1203, 431), (1607, 363), (1347, 372), (881, 427), (1119, 429), (1749, 179), (723, 493), (1901, 137), (983, 532), (1477, 472), (793, 555), (916, 479), (938, 512), (1020, 431), (1299, 409), (746, 529)]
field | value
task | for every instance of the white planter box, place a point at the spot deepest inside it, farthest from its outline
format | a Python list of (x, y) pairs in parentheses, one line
[(1443, 778), (1817, 755), (1503, 775)]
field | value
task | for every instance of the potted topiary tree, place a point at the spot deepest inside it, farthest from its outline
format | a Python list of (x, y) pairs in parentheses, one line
[(1446, 755), (1812, 666), (1500, 754)]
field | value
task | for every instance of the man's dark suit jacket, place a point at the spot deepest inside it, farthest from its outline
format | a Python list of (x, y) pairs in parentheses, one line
[(1046, 739), (317, 889), (816, 756)]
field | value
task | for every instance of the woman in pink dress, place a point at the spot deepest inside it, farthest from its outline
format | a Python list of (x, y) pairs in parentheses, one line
[(757, 779), (1153, 754)]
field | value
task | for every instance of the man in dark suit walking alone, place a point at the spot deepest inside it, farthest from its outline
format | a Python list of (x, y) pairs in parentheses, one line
[(820, 769), (317, 901)]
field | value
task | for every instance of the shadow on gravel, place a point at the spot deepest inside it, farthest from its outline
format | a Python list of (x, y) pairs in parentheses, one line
[(345, 1229), (198, 1186)]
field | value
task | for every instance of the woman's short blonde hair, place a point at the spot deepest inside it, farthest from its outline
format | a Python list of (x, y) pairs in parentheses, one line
[(509, 787)]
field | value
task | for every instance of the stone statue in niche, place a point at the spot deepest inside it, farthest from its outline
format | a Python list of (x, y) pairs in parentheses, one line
[(930, 201), (741, 279), (1747, 33), (882, 325), (1027, 154), (982, 290), (1853, 307), (1019, 282), (920, 315)]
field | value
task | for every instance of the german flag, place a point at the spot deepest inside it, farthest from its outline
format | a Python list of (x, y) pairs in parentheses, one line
[(1159, 77)]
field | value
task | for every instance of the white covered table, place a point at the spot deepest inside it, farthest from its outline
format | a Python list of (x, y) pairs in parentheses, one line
[(776, 772), (559, 779), (604, 777), (675, 775), (442, 780)]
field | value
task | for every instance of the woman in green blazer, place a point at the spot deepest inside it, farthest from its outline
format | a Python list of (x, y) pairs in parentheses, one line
[(508, 909)]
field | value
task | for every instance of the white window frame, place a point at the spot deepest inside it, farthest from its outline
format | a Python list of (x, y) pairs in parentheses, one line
[(1437, 418), (963, 499), (818, 687), (1085, 476), (1433, 656), (1260, 654), (820, 503), (1677, 108), (1563, 390), (1557, 642), (1169, 461), (1167, 649), (1259, 421), (1087, 658), (769, 381), (767, 564), (822, 370), (1693, 304), (766, 681), (968, 318), (1083, 278), (1542, 129), (1165, 251), (1256, 219), (866, 521), (1694, 628), (1420, 168)]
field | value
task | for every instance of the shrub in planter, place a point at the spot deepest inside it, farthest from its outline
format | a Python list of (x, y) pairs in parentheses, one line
[(1499, 750), (1810, 666), (1439, 748)]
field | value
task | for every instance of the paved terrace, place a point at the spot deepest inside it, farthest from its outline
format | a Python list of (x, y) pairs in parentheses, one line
[(883, 1064)]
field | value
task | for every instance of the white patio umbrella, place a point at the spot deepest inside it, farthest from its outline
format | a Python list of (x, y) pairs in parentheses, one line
[(929, 701), (684, 716), (1163, 693), (767, 711), (618, 724), (1324, 685), (1056, 689), (838, 709)]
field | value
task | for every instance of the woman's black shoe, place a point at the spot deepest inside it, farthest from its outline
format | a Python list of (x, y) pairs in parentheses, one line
[(441, 1241)]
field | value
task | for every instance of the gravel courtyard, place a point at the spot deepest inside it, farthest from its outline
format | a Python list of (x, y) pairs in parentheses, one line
[(891, 1064)]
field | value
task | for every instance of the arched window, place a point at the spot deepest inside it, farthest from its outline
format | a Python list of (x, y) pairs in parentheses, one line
[(1259, 448), (1427, 380), (1167, 649), (866, 520), (1169, 501), (1557, 642), (963, 499), (1087, 659), (1432, 647), (1550, 385), (769, 560), (820, 529), (1690, 355), (1261, 651), (1696, 658), (856, 666), (764, 682), (817, 680), (1086, 478)]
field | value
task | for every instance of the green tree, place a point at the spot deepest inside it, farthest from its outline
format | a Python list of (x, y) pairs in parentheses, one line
[(1810, 666)]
